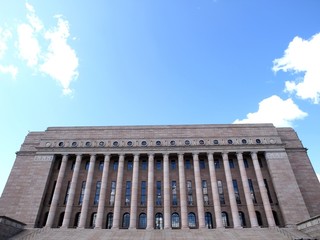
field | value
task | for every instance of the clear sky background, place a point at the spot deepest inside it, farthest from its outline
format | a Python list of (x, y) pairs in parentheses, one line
[(92, 63)]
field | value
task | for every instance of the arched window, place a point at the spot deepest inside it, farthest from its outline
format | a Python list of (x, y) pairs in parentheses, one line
[(276, 219), (175, 220), (259, 218), (109, 220), (61, 219), (242, 219), (142, 221), (77, 219), (192, 220), (93, 220), (126, 220), (45, 219), (208, 219), (159, 221), (225, 220)]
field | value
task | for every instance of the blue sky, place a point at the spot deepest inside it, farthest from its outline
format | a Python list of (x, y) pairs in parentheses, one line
[(158, 62)]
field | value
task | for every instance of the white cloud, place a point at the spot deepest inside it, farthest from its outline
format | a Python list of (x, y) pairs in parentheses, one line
[(302, 56), (275, 110), (60, 61), (10, 69)]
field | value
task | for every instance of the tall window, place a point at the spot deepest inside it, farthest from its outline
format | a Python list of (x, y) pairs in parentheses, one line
[(220, 191), (216, 163), (175, 220), (67, 194), (202, 164), (72, 165), (113, 193), (158, 221), (142, 221), (231, 163), (158, 164), (259, 218), (188, 164), (174, 193), (158, 200), (101, 163), (242, 219), (143, 193), (115, 165), (97, 194), (128, 193), (144, 165), (205, 192), (253, 196), (225, 220), (130, 165), (109, 220), (236, 191), (126, 220), (77, 219), (83, 187), (173, 164), (208, 220), (52, 192), (93, 220), (246, 164), (260, 162), (189, 193), (268, 190), (191, 220), (87, 165)]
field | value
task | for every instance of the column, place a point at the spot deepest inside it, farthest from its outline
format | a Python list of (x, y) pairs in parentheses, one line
[(117, 202), (199, 193), (166, 192), (134, 193), (150, 203), (72, 191), (57, 191), (215, 193), (183, 194), (87, 191), (102, 195), (246, 189), (232, 197), (263, 190)]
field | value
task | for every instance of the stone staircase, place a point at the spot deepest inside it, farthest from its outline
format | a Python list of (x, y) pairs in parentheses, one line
[(215, 234)]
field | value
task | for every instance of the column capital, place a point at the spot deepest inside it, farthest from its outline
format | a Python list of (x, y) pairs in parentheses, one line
[(239, 154), (210, 152), (92, 156), (136, 154), (224, 155), (195, 153), (151, 154)]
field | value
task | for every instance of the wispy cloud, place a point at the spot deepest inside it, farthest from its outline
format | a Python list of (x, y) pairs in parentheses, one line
[(302, 56), (275, 110), (43, 49)]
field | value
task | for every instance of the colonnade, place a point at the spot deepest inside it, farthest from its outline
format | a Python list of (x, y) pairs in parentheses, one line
[(166, 192)]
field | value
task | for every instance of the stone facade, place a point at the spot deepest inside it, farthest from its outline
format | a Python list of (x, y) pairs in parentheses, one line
[(162, 177)]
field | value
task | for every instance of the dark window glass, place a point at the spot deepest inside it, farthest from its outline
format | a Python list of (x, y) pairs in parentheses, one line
[(202, 164), (242, 219), (52, 192), (109, 221), (252, 194), (216, 163), (158, 164), (189, 193), (112, 193), (188, 164), (208, 220), (159, 198), (93, 220), (268, 190), (97, 194), (130, 165), (143, 193), (67, 194), (236, 191), (87, 165), (259, 218), (260, 162), (126, 220), (175, 220), (191, 220), (205, 192), (231, 163), (61, 219), (220, 191), (115, 165), (276, 219), (83, 187), (246, 164), (225, 219), (73, 164), (142, 221), (173, 164), (77, 219), (101, 166), (159, 221), (174, 193), (144, 165), (128, 193)]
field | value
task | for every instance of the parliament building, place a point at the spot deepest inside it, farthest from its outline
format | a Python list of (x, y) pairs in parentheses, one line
[(161, 182)]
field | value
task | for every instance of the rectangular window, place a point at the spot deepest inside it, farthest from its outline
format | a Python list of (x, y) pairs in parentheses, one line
[(72, 165), (144, 165), (174, 193), (188, 164), (246, 164), (115, 165), (101, 163), (87, 165), (128, 193), (205, 192), (83, 187), (189, 193), (260, 162), (236, 191), (231, 163), (268, 190), (97, 194), (216, 163), (158, 200), (130, 165), (173, 164), (143, 193), (158, 164), (220, 191), (253, 196), (113, 193), (202, 164)]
